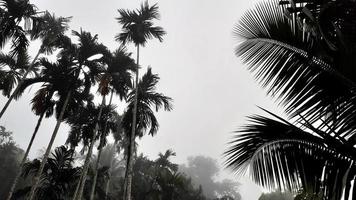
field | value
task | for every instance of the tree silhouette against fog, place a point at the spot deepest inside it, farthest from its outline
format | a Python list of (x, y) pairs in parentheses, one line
[(48, 28), (137, 27), (145, 99), (58, 175), (74, 58)]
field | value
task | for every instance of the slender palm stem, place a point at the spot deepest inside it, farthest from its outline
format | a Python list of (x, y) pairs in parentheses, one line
[(25, 157), (132, 136), (110, 172), (89, 154), (92, 192), (49, 147), (20, 83), (77, 187)]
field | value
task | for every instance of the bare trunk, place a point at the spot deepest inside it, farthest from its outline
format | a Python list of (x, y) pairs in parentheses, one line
[(19, 85), (128, 179), (49, 147), (92, 192), (89, 154), (77, 187), (16, 180), (110, 171)]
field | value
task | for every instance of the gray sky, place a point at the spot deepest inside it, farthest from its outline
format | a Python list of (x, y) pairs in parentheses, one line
[(212, 91)]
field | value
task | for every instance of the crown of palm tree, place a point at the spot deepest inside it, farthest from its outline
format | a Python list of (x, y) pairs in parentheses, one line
[(147, 100), (118, 74), (137, 25), (11, 14), (49, 28), (82, 124), (12, 69)]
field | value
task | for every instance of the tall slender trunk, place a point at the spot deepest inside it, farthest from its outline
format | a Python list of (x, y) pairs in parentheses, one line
[(25, 157), (89, 154), (92, 192), (110, 172), (20, 83), (49, 147), (127, 193), (78, 186)]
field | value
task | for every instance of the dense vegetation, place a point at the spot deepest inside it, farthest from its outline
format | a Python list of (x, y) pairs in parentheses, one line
[(153, 179)]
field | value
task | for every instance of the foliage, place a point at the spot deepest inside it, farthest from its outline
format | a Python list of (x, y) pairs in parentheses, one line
[(147, 101), (137, 25), (276, 196), (10, 158), (57, 178), (310, 73), (204, 171)]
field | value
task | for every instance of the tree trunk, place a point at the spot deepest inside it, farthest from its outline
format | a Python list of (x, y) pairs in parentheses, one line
[(20, 83), (49, 147), (92, 192), (127, 189), (110, 171), (77, 187), (89, 154), (25, 157)]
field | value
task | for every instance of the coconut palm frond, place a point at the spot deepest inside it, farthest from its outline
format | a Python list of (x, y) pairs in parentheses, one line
[(279, 155), (288, 61)]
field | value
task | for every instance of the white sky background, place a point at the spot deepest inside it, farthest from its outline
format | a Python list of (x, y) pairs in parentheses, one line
[(212, 91)]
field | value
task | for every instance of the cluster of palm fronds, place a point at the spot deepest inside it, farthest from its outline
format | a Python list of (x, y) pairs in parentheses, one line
[(66, 85), (303, 52)]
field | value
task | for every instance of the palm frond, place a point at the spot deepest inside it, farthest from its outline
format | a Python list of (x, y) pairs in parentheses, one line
[(288, 61), (137, 25), (279, 155), (147, 99)]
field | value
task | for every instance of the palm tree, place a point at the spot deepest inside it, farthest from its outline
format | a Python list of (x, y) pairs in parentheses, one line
[(12, 70), (163, 161), (56, 179), (137, 28), (146, 97), (48, 29), (12, 14), (310, 74), (117, 78), (42, 106), (84, 127), (78, 60)]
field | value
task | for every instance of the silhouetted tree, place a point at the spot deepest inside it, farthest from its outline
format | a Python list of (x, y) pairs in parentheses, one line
[(57, 178), (137, 27), (10, 159)]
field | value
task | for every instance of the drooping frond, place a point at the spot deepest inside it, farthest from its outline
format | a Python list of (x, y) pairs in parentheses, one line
[(279, 155), (49, 28), (148, 98)]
